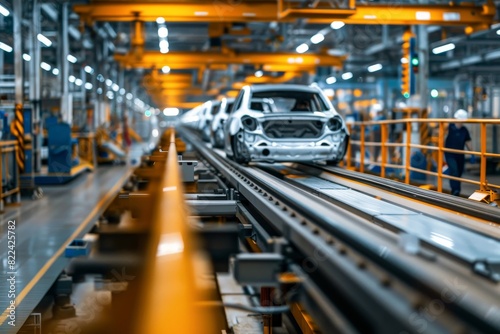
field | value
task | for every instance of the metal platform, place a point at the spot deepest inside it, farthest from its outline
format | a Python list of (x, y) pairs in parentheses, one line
[(44, 228)]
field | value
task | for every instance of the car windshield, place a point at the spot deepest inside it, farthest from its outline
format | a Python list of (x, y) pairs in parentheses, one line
[(229, 107), (287, 100), (215, 108)]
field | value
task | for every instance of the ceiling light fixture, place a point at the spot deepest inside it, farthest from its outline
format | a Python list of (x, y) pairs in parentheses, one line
[(347, 75), (331, 80), (5, 47), (337, 25), (71, 59), (318, 38), (4, 11), (44, 40), (302, 48), (374, 68), (45, 66), (443, 48)]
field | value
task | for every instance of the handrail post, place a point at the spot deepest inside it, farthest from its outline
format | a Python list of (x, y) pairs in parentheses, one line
[(383, 138), (408, 152), (440, 157), (349, 149), (362, 149), (482, 175)]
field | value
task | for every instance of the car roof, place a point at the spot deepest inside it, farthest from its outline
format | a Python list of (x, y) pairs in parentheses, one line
[(290, 87)]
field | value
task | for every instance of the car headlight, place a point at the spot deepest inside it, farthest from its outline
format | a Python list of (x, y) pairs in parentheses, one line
[(335, 123), (249, 123)]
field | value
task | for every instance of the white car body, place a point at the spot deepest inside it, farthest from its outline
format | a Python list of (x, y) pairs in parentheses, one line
[(310, 130), (217, 126)]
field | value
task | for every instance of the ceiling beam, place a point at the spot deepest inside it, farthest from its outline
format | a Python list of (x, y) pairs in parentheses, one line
[(466, 14), (177, 60)]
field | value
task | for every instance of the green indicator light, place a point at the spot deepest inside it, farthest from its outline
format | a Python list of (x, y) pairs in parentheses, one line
[(147, 113), (414, 61), (406, 95)]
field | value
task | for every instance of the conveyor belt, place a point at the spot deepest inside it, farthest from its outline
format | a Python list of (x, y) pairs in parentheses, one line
[(466, 245), (353, 250), (43, 229)]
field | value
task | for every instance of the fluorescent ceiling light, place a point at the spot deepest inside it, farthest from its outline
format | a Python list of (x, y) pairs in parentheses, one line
[(122, 91), (374, 68), (55, 71), (88, 85), (498, 32), (4, 11), (71, 59), (45, 66), (109, 82), (337, 25), (26, 57), (78, 82), (170, 111), (164, 44), (443, 48), (347, 75), (88, 69), (162, 32), (115, 87), (129, 96), (5, 47), (71, 78), (331, 80), (164, 50), (165, 69), (99, 90), (302, 48), (318, 38), (160, 20), (259, 73), (44, 40)]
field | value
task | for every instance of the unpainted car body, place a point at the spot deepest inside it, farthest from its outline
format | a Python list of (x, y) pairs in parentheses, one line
[(207, 113), (217, 126), (294, 123)]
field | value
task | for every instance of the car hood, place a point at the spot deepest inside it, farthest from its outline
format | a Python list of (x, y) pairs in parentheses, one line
[(294, 115)]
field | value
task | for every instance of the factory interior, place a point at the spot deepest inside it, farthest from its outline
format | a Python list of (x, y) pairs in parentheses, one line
[(249, 166)]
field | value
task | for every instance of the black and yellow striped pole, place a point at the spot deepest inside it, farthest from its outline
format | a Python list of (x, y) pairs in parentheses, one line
[(17, 130)]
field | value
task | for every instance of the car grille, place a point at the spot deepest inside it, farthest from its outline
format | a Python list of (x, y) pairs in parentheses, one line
[(292, 129)]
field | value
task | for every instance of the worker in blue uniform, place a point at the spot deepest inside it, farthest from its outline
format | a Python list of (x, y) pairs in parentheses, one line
[(458, 137)]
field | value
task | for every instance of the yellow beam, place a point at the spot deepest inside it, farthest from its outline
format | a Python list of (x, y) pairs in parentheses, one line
[(175, 92), (168, 85), (178, 11), (466, 14), (171, 77), (198, 59), (269, 79)]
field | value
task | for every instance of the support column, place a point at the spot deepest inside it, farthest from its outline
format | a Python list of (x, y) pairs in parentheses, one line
[(66, 101), (35, 84), (18, 128), (18, 52), (423, 70)]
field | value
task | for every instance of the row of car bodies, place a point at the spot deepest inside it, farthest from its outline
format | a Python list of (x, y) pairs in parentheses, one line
[(273, 123)]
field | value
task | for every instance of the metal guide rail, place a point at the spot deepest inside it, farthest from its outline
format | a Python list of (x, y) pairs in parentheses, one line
[(355, 276), (479, 210)]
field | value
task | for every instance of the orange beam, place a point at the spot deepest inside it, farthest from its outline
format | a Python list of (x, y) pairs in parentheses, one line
[(198, 59), (466, 14)]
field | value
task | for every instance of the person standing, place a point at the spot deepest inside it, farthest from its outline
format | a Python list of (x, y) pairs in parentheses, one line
[(458, 137)]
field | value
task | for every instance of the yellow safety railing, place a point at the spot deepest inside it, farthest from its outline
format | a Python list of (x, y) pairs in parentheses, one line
[(435, 149)]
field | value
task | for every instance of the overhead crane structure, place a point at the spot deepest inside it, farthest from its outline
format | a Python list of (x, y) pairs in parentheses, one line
[(321, 12)]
